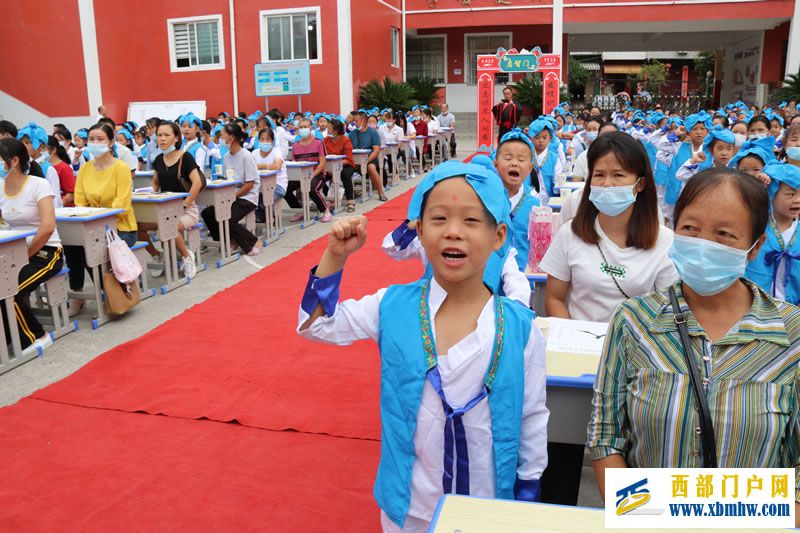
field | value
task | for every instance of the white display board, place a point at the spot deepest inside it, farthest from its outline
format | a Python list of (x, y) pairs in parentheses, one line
[(139, 112), (283, 78)]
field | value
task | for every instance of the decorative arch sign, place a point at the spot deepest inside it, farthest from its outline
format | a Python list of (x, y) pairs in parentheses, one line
[(514, 61)]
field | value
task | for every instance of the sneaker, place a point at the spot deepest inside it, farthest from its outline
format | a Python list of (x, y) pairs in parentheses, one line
[(257, 248), (157, 272), (189, 265), (43, 342), (326, 217), (297, 218)]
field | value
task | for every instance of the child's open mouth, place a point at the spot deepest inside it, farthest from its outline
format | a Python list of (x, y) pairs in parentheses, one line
[(453, 256), (513, 173)]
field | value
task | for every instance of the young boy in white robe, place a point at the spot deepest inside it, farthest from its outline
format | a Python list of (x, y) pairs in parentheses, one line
[(469, 363)]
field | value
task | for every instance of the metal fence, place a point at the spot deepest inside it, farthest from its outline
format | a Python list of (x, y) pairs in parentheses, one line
[(668, 103)]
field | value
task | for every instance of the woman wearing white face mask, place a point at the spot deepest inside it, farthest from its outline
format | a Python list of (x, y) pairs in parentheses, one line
[(105, 181), (704, 373), (758, 128), (615, 247)]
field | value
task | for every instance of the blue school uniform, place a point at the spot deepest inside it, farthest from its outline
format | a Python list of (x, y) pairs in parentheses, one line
[(674, 185), (763, 270), (408, 360), (548, 169), (520, 216)]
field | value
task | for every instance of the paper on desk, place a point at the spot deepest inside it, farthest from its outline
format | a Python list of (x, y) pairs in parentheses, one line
[(79, 211), (575, 336)]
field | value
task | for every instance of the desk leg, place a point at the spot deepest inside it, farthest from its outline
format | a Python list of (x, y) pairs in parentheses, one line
[(16, 348), (225, 244), (305, 193), (269, 214), (337, 180), (5, 359), (174, 278), (538, 299), (364, 179), (408, 163), (97, 278), (395, 170)]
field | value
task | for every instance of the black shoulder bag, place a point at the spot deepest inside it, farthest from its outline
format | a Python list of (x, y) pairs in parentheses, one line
[(706, 425)]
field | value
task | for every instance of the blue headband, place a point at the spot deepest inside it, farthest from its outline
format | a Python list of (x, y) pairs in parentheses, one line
[(781, 172), (515, 135), (36, 134), (486, 184), (539, 125), (761, 148), (125, 133), (82, 133), (718, 133), (774, 116), (697, 118), (190, 118)]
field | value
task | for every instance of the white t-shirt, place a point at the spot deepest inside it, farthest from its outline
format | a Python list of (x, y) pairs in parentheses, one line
[(593, 294), (581, 167), (282, 140), (21, 211), (244, 169), (780, 289), (125, 155), (55, 184), (261, 159)]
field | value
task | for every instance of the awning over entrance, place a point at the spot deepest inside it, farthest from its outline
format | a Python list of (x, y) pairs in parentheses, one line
[(622, 69)]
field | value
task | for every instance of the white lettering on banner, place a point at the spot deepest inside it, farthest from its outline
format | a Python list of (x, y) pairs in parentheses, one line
[(699, 497)]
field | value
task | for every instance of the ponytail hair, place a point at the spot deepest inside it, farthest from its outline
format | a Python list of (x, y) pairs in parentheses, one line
[(61, 152)]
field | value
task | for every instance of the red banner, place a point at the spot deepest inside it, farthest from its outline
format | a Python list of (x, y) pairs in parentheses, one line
[(552, 91), (485, 119), (685, 83)]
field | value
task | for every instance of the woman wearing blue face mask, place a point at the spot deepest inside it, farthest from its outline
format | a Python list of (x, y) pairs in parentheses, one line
[(309, 148), (105, 181), (734, 404), (758, 128), (615, 247)]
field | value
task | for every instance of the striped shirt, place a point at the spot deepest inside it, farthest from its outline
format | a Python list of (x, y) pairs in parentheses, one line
[(644, 408)]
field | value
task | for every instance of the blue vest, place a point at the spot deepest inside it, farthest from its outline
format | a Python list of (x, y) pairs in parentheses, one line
[(660, 174), (674, 185), (548, 169), (651, 150), (764, 268), (519, 226), (403, 375), (193, 148), (45, 166)]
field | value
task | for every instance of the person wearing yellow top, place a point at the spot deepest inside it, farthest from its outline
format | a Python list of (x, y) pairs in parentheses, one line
[(105, 181)]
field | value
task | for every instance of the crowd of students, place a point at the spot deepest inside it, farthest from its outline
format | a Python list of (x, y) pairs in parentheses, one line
[(681, 222), (95, 167)]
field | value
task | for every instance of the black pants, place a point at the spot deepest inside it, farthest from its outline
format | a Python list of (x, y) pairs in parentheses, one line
[(76, 260), (502, 131), (452, 144), (561, 480), (317, 194), (239, 234), (347, 181), (45, 264)]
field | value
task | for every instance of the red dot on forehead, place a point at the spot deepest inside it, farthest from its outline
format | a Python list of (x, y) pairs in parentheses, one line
[(455, 197)]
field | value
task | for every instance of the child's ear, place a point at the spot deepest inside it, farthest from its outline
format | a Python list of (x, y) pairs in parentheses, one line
[(500, 236), (419, 230)]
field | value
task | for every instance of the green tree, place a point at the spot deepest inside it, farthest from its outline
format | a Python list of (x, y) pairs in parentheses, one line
[(386, 93), (425, 90), (529, 93), (654, 75), (790, 90), (578, 77)]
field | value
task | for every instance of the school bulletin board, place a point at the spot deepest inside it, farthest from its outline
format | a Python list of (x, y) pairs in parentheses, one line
[(284, 78)]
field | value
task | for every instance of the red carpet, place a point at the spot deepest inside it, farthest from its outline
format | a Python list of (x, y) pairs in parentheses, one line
[(237, 357), (76, 457), (70, 468)]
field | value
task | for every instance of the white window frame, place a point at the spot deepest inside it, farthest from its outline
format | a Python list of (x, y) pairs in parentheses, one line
[(467, 66), (220, 38), (262, 20), (395, 47), (444, 58)]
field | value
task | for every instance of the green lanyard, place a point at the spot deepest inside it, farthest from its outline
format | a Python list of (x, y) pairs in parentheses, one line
[(779, 234), (428, 344)]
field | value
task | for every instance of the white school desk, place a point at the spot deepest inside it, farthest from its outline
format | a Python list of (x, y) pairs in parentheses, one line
[(419, 143), (432, 145), (86, 226), (142, 179), (334, 165), (570, 377), (538, 281), (441, 142), (164, 209), (392, 149), (405, 147), (466, 514), (302, 171), (221, 194), (448, 135), (360, 157), (13, 256), (269, 183), (568, 185)]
